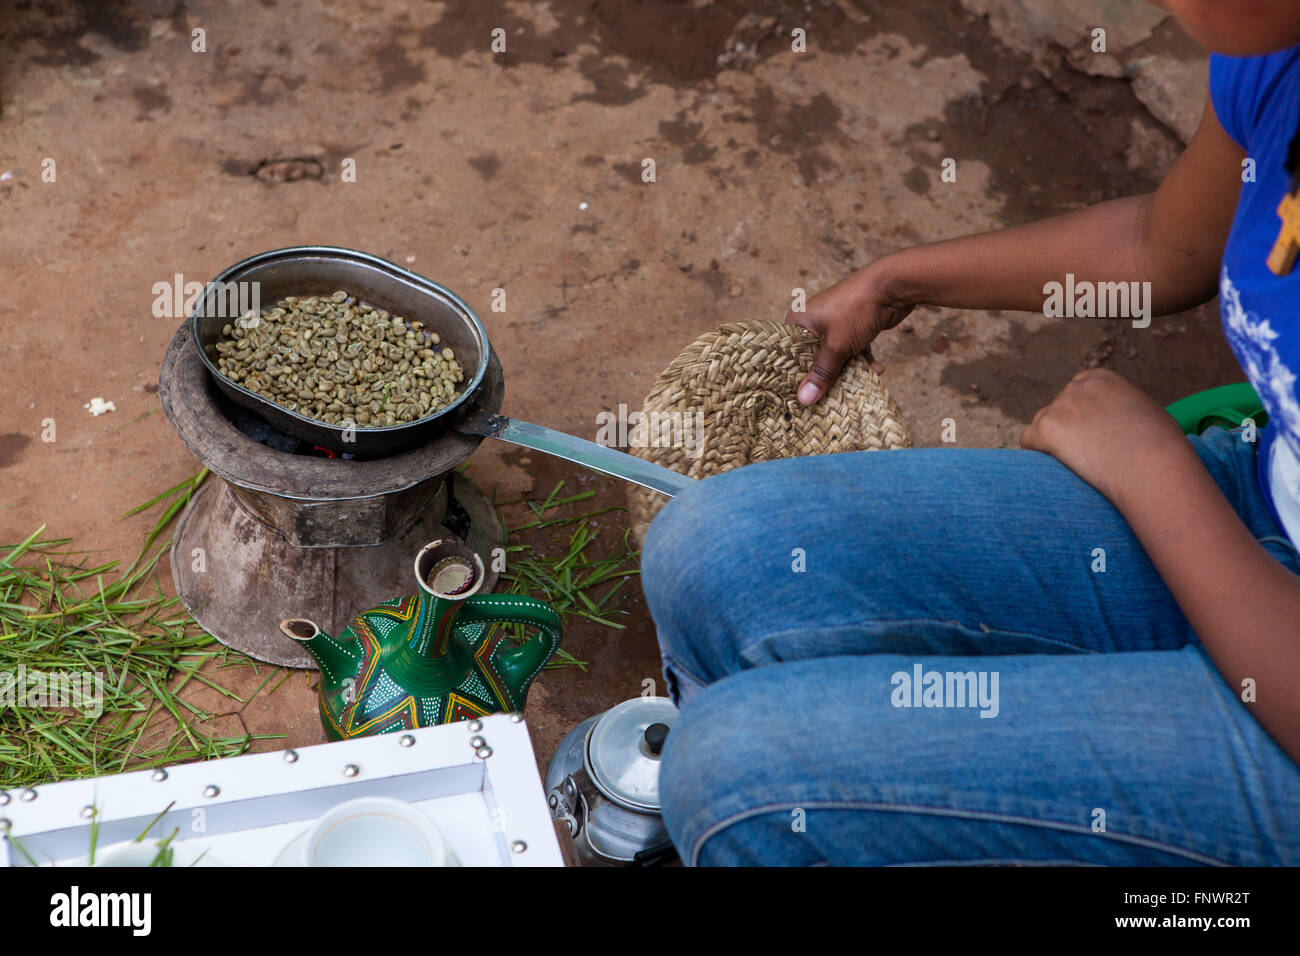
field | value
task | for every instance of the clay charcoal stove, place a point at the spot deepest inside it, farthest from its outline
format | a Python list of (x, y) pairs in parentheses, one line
[(289, 529)]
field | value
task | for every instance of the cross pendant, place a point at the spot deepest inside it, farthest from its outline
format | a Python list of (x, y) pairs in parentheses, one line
[(1282, 258)]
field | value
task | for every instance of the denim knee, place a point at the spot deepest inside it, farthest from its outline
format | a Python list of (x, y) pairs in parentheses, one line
[(693, 565), (684, 530), (673, 589), (689, 774), (714, 772)]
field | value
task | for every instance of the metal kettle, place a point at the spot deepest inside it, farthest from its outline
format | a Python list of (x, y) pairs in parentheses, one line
[(603, 783)]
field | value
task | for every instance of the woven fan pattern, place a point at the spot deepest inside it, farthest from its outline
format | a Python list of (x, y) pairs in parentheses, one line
[(741, 379)]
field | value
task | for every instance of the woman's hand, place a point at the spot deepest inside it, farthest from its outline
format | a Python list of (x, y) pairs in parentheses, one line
[(1108, 432), (846, 317)]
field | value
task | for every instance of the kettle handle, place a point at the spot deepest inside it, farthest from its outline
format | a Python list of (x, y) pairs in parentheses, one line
[(520, 664)]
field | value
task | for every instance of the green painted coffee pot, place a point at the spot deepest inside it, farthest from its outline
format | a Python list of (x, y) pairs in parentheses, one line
[(440, 655)]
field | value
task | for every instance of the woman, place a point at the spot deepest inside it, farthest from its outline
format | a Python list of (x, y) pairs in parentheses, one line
[(1084, 651)]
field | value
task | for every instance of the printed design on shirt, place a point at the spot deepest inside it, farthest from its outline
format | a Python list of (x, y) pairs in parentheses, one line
[(1251, 339)]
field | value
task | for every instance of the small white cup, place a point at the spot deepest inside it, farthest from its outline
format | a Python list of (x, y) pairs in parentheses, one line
[(375, 831)]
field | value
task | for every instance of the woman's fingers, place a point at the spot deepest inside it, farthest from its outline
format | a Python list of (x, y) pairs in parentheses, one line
[(802, 319), (826, 365)]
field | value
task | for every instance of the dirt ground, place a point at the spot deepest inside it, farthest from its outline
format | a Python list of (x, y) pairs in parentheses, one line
[(522, 171)]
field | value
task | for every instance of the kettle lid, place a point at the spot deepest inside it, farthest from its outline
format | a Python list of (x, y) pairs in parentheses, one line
[(623, 750)]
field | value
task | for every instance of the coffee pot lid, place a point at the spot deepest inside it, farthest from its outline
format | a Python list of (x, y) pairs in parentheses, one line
[(623, 750)]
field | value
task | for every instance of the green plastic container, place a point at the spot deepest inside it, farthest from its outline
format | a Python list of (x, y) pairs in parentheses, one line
[(1227, 405)]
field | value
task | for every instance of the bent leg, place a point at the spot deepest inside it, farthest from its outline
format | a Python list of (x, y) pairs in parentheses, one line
[(1138, 758), (924, 551)]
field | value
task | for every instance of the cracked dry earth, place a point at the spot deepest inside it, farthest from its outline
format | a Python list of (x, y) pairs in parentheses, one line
[(521, 171)]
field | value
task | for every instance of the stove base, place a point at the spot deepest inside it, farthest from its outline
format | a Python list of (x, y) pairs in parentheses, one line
[(240, 578)]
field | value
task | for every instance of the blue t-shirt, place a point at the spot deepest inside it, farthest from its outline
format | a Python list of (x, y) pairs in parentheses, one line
[(1257, 99)]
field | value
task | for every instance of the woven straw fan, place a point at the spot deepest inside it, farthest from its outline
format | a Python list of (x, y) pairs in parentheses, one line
[(743, 377)]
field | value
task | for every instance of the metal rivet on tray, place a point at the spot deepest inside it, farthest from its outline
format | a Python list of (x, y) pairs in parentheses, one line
[(159, 775), (519, 846), (476, 742), (516, 718), (484, 752), (211, 790), (475, 726), (87, 812), (407, 740), (4, 799), (28, 795), (351, 770), (291, 756), (5, 825)]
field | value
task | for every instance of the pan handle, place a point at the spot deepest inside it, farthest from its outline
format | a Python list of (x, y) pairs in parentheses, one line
[(608, 461)]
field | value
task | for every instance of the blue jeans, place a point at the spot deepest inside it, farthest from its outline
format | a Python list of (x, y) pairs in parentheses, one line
[(950, 656)]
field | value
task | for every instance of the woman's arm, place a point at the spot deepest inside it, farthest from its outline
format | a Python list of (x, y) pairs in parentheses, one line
[(1172, 238), (1243, 605)]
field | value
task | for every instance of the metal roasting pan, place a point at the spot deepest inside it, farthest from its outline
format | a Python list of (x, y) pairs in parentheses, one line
[(320, 270)]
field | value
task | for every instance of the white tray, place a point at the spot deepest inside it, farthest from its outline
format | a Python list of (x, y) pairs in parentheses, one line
[(244, 811)]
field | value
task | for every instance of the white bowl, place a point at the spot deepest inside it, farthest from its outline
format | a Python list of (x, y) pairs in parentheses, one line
[(371, 831)]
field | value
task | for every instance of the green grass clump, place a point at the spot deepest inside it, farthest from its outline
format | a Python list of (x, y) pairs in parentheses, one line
[(561, 569), (60, 614)]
